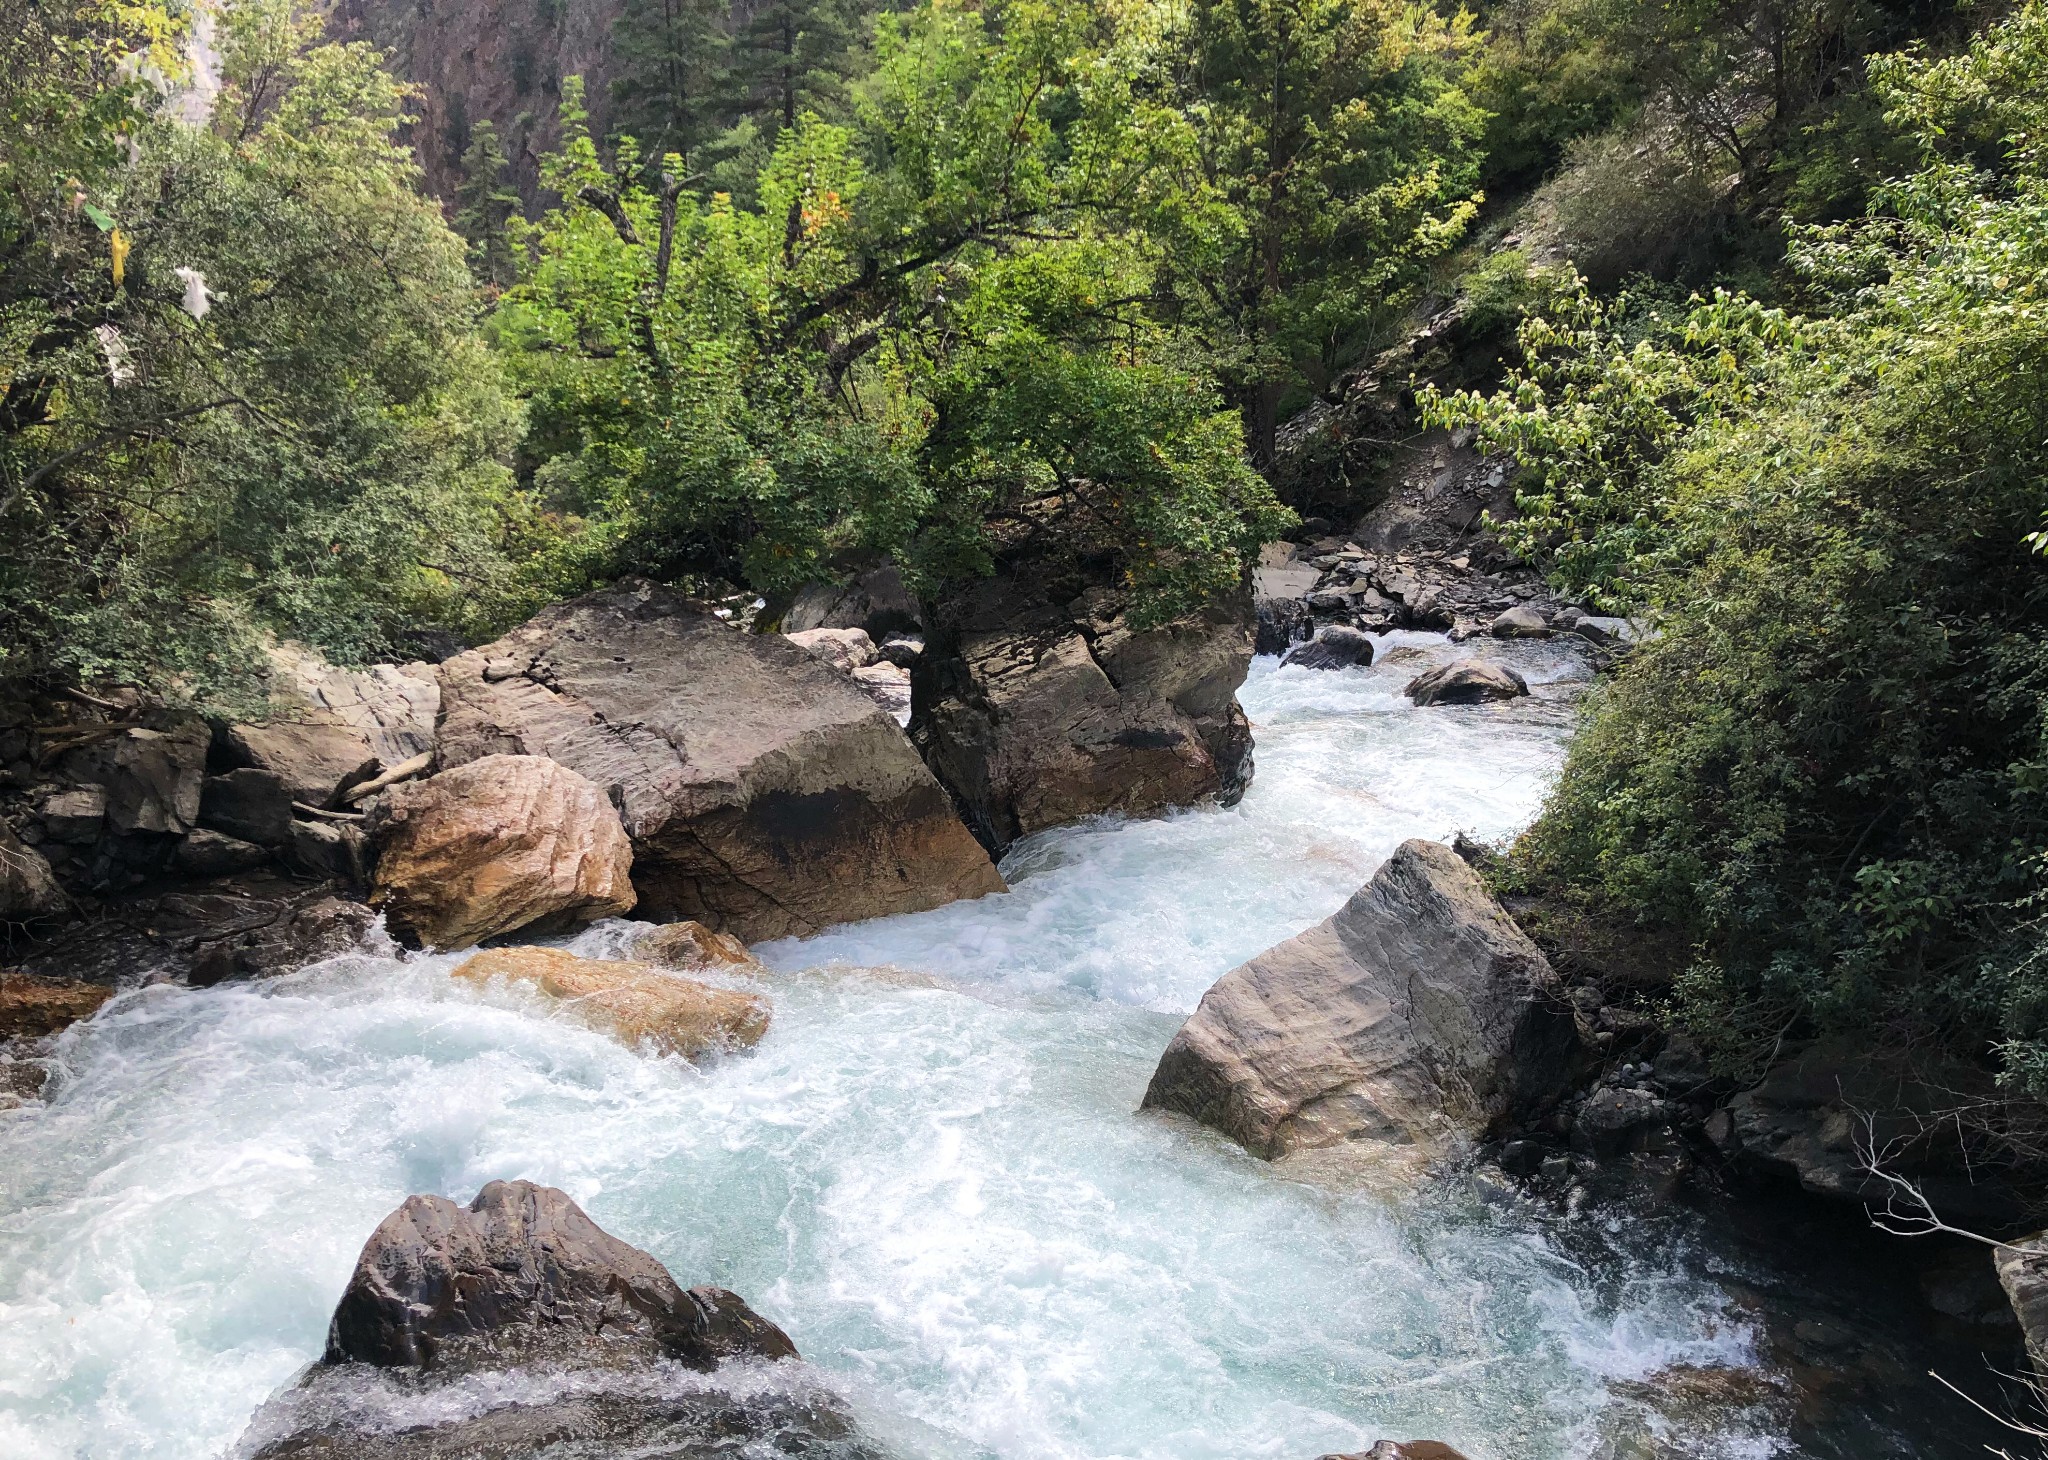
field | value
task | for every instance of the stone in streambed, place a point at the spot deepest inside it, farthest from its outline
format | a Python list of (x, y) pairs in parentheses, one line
[(1336, 647), (1404, 1450), (765, 793), (846, 649), (582, 1333), (32, 1007), (1520, 622), (1405, 1025), (1468, 682), (635, 1002), (522, 1273), (690, 945), (496, 844)]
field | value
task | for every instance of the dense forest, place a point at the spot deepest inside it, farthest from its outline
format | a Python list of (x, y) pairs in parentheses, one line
[(1764, 279)]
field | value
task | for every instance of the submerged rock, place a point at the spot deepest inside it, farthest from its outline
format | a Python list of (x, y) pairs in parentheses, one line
[(636, 1002), (1336, 647), (691, 945), (1409, 1022), (1468, 682), (516, 1326), (1404, 1450), (764, 792)]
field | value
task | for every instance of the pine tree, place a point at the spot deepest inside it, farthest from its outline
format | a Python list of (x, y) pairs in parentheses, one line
[(671, 86), (485, 202)]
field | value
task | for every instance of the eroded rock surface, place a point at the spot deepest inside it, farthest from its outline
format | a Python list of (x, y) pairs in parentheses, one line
[(1409, 1022), (690, 945), (636, 1002), (33, 1007), (1036, 713), (765, 794), (498, 843)]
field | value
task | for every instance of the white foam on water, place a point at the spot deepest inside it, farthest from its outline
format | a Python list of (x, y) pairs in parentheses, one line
[(938, 1185)]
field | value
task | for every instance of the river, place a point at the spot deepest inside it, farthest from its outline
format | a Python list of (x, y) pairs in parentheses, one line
[(931, 1172)]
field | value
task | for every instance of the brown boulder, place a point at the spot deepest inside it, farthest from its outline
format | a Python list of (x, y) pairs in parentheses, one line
[(1409, 1021), (690, 945), (33, 1007), (495, 844), (1036, 714), (634, 1001), (764, 792)]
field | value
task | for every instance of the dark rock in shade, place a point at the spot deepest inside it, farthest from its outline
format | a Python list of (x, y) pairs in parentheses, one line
[(151, 774), (75, 815), (333, 850), (1282, 623), (2023, 1273), (1409, 1022), (876, 600), (278, 938), (1817, 1116), (311, 760), (520, 1274), (1336, 647), (28, 888), (206, 853), (1468, 682), (1036, 713), (250, 804), (1614, 1117), (1404, 1450), (764, 792)]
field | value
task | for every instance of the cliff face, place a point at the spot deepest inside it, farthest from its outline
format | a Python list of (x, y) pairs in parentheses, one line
[(496, 59)]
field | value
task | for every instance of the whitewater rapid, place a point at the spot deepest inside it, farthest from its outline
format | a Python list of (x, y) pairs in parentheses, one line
[(931, 1172)]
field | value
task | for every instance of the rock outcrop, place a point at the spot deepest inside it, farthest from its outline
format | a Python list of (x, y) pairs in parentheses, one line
[(765, 794), (2023, 1273), (1821, 1116), (522, 1282), (1467, 682), (1037, 711), (1409, 1022), (635, 1002), (494, 844)]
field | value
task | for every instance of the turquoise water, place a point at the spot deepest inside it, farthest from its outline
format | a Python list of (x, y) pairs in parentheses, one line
[(931, 1172)]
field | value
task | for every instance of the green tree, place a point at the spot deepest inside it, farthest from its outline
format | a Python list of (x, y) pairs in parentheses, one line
[(1332, 154), (670, 87), (1824, 780), (485, 206), (245, 393)]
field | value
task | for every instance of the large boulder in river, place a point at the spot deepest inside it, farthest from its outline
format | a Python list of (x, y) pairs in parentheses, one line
[(1468, 682), (522, 1273), (635, 1002), (1338, 646), (504, 842), (1037, 711), (765, 794), (516, 1326), (1410, 1021)]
